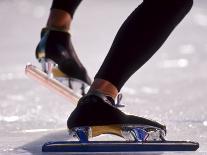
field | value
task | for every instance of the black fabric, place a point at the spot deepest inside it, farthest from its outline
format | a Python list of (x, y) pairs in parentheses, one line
[(66, 5), (140, 36)]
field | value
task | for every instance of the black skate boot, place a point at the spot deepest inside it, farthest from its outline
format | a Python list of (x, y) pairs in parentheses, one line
[(97, 114), (58, 58)]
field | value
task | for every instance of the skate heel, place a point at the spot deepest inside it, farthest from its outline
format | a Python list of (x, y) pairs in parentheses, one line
[(129, 133), (51, 68)]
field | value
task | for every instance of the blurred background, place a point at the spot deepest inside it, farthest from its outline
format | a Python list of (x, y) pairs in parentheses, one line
[(171, 87)]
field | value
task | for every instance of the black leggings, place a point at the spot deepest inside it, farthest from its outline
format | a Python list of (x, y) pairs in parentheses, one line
[(66, 5), (140, 36)]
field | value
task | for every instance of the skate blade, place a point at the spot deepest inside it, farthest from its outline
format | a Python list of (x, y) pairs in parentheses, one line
[(136, 133), (51, 68), (120, 147), (78, 86), (51, 83)]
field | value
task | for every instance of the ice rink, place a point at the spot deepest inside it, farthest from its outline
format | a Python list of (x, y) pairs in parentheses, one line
[(171, 87)]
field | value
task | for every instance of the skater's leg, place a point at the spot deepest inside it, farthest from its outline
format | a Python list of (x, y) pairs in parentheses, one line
[(59, 20), (68, 6), (140, 36), (105, 87), (61, 13), (55, 43)]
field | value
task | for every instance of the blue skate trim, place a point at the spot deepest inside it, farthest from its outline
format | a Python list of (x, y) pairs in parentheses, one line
[(118, 146)]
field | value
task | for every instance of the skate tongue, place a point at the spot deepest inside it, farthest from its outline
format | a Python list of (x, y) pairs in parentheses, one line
[(108, 99), (118, 101)]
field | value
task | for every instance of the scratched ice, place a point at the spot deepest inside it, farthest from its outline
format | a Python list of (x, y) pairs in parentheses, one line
[(173, 93)]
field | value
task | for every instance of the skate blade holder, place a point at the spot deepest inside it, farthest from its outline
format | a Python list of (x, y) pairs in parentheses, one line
[(51, 68), (133, 134)]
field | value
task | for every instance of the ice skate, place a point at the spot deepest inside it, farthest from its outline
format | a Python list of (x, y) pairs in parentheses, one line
[(57, 56), (97, 114)]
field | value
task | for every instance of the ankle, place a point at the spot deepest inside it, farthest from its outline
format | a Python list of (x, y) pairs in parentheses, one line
[(59, 20), (104, 87)]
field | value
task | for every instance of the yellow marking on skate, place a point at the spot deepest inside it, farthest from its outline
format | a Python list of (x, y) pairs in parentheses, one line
[(58, 73), (106, 129), (41, 54)]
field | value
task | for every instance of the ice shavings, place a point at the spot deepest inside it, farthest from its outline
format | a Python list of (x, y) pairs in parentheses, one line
[(187, 49), (7, 149), (190, 125), (9, 118), (16, 97), (41, 130), (127, 90), (150, 90), (205, 123), (11, 76), (200, 18), (177, 63)]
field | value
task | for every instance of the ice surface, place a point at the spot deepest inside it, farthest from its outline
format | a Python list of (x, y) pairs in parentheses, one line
[(171, 87)]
